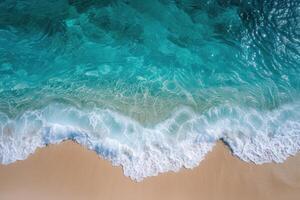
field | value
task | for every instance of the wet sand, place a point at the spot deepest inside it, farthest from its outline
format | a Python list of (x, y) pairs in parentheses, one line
[(69, 171)]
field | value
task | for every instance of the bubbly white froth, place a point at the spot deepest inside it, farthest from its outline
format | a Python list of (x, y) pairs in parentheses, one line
[(182, 140)]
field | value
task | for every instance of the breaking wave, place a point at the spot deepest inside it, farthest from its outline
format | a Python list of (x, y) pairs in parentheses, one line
[(182, 140)]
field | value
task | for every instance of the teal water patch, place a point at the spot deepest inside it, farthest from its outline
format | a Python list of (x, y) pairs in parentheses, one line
[(158, 79)]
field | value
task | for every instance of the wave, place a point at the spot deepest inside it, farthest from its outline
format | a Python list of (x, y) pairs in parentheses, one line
[(181, 140)]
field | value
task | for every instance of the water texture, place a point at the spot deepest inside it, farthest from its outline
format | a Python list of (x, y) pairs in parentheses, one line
[(151, 85)]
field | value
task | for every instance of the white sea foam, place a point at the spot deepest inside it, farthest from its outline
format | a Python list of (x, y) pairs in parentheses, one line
[(182, 140)]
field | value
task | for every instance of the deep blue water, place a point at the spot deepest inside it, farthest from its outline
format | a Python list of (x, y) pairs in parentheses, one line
[(151, 85)]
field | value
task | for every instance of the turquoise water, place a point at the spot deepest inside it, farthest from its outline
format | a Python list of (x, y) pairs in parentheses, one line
[(151, 85)]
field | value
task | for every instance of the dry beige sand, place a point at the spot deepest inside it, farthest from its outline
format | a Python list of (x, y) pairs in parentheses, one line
[(69, 171)]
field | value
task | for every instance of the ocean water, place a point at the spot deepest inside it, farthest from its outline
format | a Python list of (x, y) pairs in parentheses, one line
[(151, 85)]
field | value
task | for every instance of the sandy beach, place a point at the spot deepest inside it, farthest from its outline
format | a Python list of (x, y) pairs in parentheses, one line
[(69, 171)]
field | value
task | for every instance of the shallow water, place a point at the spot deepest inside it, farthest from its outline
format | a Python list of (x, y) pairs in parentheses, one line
[(151, 86)]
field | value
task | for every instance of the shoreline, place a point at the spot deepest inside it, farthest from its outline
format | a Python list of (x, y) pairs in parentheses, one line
[(69, 171)]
